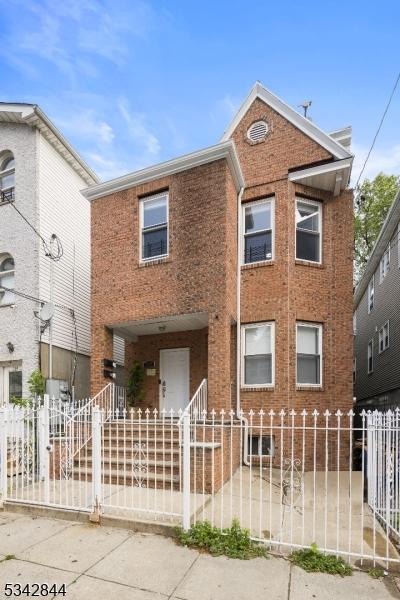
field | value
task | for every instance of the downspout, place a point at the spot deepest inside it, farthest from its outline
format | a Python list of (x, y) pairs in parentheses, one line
[(239, 414)]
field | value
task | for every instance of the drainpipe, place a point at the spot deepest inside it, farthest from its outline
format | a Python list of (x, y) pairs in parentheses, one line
[(238, 327)]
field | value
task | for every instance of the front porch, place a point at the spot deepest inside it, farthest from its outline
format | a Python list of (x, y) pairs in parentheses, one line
[(176, 353)]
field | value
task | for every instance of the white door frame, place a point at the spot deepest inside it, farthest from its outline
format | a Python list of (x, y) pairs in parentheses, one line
[(163, 351)]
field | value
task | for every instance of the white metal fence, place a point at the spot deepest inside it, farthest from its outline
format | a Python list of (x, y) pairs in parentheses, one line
[(291, 478)]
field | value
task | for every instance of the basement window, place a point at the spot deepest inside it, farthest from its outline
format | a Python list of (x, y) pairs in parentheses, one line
[(308, 230), (261, 445), (154, 227)]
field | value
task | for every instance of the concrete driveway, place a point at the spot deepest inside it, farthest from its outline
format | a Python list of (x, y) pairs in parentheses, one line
[(100, 562)]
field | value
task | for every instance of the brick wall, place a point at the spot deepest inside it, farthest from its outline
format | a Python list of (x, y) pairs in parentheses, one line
[(200, 272), (198, 275)]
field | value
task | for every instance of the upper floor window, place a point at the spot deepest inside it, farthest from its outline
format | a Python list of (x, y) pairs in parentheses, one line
[(384, 264), (6, 279), (7, 177), (258, 231), (308, 230), (384, 337), (154, 227), (370, 356), (258, 354), (371, 294), (354, 323), (308, 354)]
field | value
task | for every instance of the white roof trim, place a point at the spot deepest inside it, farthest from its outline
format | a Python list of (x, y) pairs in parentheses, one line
[(336, 165), (305, 125), (342, 168), (33, 116), (225, 150)]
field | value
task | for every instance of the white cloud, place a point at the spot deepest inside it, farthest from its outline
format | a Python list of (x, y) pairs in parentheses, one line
[(86, 124), (54, 31), (386, 160), (138, 129)]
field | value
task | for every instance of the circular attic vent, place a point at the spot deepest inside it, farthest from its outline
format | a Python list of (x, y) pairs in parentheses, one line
[(257, 132)]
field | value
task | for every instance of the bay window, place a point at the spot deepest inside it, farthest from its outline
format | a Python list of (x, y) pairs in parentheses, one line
[(308, 354), (308, 230), (258, 354), (258, 231)]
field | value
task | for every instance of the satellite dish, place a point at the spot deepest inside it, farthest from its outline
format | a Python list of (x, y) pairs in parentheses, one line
[(47, 311)]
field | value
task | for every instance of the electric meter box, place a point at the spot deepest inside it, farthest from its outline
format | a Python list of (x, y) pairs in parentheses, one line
[(58, 388)]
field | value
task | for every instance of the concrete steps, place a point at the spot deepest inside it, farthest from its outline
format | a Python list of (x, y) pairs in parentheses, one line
[(133, 455)]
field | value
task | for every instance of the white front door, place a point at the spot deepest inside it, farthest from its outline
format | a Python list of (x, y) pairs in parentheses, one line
[(174, 375), (10, 383)]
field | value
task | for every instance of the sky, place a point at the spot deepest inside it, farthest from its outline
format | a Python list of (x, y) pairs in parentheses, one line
[(132, 83)]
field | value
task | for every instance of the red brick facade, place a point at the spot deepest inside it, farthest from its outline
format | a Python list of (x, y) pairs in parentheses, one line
[(199, 274)]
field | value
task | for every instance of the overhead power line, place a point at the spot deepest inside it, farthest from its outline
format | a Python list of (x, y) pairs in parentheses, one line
[(55, 256), (379, 128)]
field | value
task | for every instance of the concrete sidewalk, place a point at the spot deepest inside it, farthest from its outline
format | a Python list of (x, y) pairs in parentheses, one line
[(100, 562)]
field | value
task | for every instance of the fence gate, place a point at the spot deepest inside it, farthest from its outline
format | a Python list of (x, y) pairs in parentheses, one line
[(291, 478)]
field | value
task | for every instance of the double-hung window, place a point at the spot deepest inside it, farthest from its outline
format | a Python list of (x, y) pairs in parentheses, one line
[(371, 294), (258, 354), (154, 226), (7, 269), (309, 354), (384, 264), (308, 230), (258, 220), (370, 356), (7, 178), (384, 337)]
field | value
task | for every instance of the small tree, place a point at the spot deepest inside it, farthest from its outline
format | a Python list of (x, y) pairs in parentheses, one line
[(372, 202), (135, 391), (37, 384)]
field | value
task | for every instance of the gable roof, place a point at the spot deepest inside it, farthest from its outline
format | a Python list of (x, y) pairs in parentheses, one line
[(32, 115), (219, 151), (305, 125), (382, 241)]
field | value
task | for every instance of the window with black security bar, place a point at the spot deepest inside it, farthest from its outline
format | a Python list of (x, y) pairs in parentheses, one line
[(258, 231), (155, 227)]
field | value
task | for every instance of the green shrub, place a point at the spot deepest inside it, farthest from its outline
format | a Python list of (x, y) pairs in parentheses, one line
[(376, 573), (22, 402), (233, 542), (313, 561), (37, 384)]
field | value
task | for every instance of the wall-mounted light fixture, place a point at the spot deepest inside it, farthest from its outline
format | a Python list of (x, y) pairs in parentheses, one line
[(10, 347)]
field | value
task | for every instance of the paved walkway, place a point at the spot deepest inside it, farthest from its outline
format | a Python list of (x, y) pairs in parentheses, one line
[(99, 562)]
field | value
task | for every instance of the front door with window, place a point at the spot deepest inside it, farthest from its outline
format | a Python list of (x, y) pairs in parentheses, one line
[(10, 383), (174, 378)]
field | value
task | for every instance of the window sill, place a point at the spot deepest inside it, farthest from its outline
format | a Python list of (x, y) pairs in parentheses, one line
[(154, 261), (260, 263), (10, 305), (309, 263), (257, 388), (309, 388)]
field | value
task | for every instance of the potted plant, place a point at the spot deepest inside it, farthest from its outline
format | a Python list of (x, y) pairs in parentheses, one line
[(135, 391)]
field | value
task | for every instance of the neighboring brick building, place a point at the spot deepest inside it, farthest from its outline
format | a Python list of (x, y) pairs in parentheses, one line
[(165, 267)]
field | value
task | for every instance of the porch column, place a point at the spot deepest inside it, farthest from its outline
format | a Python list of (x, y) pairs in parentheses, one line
[(219, 362), (102, 347)]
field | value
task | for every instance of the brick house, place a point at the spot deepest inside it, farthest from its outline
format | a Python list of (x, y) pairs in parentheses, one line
[(232, 264)]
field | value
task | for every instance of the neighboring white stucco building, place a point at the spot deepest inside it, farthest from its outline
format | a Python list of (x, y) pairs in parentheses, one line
[(41, 176)]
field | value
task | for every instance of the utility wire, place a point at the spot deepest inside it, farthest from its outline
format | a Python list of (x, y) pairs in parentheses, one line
[(378, 130), (56, 256)]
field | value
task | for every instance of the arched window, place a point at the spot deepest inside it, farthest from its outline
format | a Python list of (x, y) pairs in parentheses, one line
[(7, 177), (7, 268)]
